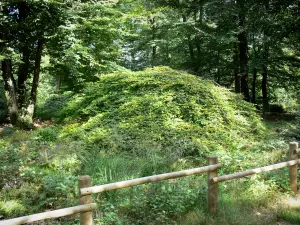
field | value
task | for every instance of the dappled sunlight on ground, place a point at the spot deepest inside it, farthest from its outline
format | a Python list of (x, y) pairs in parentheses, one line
[(292, 202), (288, 208)]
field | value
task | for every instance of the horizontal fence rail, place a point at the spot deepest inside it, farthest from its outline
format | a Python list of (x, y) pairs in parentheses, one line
[(50, 214), (255, 171), (144, 180)]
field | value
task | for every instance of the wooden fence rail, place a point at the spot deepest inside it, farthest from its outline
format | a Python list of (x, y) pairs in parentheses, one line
[(86, 189), (50, 214), (144, 180), (255, 171)]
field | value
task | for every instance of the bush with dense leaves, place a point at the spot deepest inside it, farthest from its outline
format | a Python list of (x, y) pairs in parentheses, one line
[(53, 105), (159, 110)]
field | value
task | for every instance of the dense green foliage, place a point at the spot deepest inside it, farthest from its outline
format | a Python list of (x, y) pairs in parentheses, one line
[(160, 110), (134, 124), (41, 168), (120, 89)]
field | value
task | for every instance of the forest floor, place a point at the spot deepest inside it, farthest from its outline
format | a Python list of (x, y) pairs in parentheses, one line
[(31, 184)]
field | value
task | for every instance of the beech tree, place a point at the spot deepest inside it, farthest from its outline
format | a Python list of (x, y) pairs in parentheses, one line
[(25, 27), (68, 32)]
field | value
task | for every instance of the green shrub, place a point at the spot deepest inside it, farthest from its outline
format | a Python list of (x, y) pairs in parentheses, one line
[(10, 161), (46, 134), (165, 200), (160, 110), (52, 107), (11, 208), (58, 190)]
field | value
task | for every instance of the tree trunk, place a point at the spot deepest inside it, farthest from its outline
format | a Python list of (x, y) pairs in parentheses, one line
[(190, 44), (198, 39), (198, 42), (243, 53), (154, 48), (191, 49), (35, 81), (254, 85), (255, 70), (23, 71), (22, 77), (58, 81), (153, 55), (237, 77), (10, 88), (264, 84), (218, 75)]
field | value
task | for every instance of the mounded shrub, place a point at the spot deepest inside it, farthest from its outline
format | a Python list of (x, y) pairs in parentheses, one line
[(159, 110)]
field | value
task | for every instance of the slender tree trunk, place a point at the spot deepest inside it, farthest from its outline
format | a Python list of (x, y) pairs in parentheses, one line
[(35, 81), (10, 88), (23, 71), (153, 55), (218, 69), (191, 49), (198, 41), (254, 85), (154, 47), (198, 47), (22, 76), (168, 55), (58, 81), (243, 53), (264, 84), (190, 44), (237, 77), (255, 70)]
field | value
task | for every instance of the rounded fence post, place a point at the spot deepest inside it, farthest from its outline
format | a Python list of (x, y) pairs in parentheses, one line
[(293, 170), (212, 187), (87, 217)]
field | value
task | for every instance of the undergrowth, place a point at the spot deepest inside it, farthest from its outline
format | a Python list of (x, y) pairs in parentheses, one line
[(131, 125)]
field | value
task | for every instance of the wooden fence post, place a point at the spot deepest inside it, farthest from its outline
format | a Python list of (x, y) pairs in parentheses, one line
[(293, 170), (87, 217), (212, 187)]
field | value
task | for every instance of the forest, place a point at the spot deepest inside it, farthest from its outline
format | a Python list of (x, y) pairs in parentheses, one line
[(122, 89)]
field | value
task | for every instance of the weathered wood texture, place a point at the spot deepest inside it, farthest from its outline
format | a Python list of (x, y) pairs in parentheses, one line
[(144, 180), (50, 214), (212, 199), (293, 170), (86, 218), (255, 171)]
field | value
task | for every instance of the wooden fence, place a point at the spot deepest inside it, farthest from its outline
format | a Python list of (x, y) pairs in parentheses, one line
[(86, 189)]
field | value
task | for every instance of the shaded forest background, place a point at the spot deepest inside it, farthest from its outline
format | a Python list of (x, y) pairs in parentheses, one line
[(251, 47), (131, 88)]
